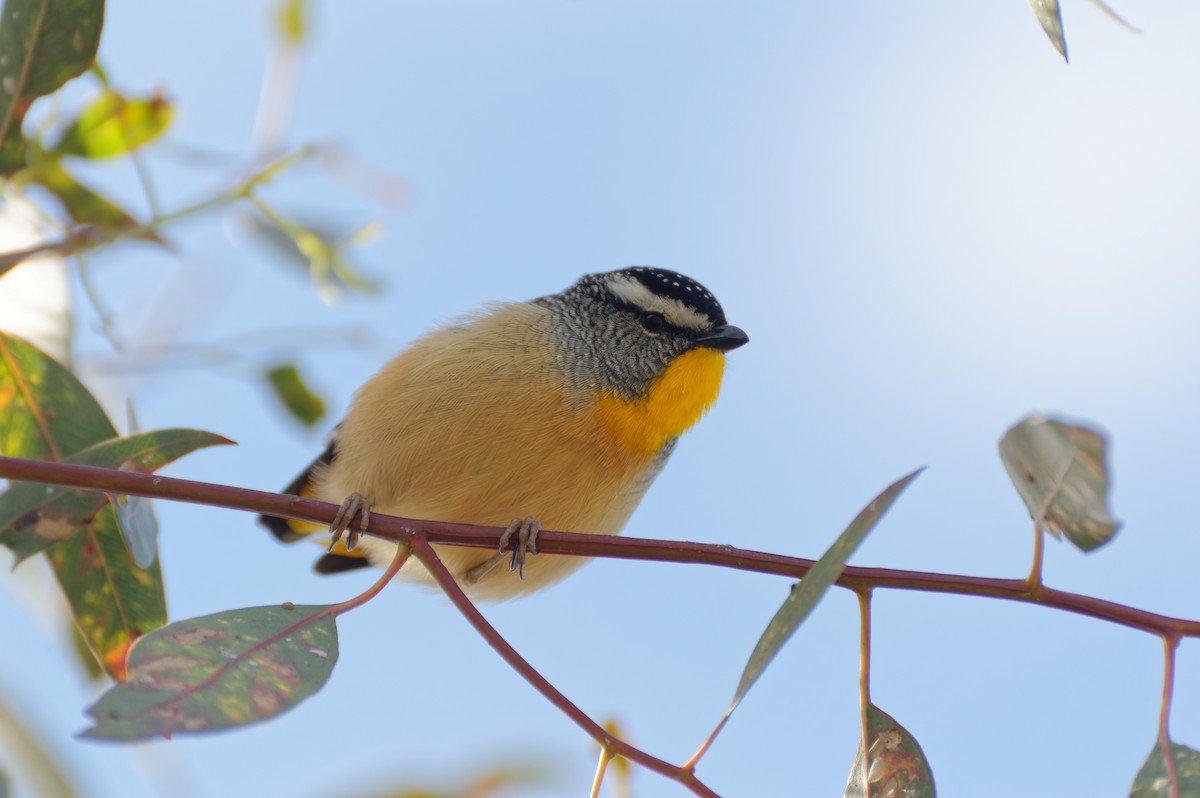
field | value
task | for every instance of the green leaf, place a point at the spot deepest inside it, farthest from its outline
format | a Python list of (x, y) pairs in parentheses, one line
[(1154, 781), (297, 397), (44, 43), (35, 516), (898, 766), (229, 669), (804, 597), (112, 599), (46, 414), (1061, 474), (1049, 16), (114, 125)]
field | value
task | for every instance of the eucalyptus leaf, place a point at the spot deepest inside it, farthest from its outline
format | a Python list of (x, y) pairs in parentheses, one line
[(220, 671), (897, 768), (1061, 473)]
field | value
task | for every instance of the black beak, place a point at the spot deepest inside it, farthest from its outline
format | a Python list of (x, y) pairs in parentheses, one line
[(724, 338)]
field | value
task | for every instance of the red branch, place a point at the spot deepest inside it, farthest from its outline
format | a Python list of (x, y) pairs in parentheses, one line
[(402, 529)]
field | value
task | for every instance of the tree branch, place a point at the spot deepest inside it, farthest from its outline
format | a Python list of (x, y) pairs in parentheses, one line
[(580, 545)]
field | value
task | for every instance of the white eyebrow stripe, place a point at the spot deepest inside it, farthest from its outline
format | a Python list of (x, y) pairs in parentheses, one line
[(675, 312)]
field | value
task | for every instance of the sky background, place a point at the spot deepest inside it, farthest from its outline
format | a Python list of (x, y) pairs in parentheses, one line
[(929, 226)]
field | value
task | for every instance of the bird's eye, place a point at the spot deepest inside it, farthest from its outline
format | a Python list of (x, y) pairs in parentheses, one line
[(653, 322)]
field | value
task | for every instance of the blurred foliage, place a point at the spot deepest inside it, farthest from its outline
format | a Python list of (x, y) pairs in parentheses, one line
[(506, 780), (298, 399), (114, 125), (291, 21), (23, 747)]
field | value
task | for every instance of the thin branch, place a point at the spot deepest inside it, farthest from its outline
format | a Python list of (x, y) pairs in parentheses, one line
[(87, 237), (610, 743), (580, 545)]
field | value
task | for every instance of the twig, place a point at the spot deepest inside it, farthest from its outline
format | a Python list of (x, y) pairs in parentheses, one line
[(423, 551)]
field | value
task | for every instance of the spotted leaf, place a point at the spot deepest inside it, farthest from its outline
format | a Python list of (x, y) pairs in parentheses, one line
[(220, 671), (897, 768)]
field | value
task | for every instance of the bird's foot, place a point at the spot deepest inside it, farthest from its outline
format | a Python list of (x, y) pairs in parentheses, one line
[(526, 530), (354, 504)]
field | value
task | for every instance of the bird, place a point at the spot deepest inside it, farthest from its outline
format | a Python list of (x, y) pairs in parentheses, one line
[(556, 413)]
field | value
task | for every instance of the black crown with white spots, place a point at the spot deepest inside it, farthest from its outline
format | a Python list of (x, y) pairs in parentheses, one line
[(681, 287)]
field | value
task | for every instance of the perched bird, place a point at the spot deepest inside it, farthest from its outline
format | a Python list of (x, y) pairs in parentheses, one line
[(560, 411)]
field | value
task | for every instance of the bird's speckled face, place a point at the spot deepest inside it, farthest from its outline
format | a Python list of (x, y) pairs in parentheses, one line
[(651, 341)]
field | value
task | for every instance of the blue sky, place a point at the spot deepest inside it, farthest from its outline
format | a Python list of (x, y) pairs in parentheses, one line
[(929, 226)]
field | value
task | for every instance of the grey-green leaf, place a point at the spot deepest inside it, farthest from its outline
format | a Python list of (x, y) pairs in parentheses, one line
[(1060, 470), (1153, 780), (1049, 16), (898, 766), (804, 597)]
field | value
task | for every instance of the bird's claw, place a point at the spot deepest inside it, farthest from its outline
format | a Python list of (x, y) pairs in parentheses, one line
[(354, 504), (526, 530)]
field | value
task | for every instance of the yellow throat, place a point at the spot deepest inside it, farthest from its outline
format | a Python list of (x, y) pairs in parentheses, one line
[(676, 400)]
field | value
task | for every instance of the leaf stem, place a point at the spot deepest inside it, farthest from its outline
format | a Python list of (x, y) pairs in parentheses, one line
[(606, 756), (1034, 580), (1170, 645), (402, 553), (864, 684)]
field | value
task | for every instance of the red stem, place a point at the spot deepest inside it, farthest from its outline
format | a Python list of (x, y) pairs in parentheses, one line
[(402, 529)]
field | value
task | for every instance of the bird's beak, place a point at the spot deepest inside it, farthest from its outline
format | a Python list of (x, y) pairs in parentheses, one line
[(724, 338)]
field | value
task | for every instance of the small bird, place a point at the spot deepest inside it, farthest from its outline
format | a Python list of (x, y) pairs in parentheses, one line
[(564, 408)]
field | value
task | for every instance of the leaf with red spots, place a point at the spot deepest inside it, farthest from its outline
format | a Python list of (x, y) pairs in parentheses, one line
[(898, 766), (220, 671), (34, 517), (113, 601), (46, 414), (1060, 471)]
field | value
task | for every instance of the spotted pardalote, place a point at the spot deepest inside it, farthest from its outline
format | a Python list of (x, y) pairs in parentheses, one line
[(554, 413)]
